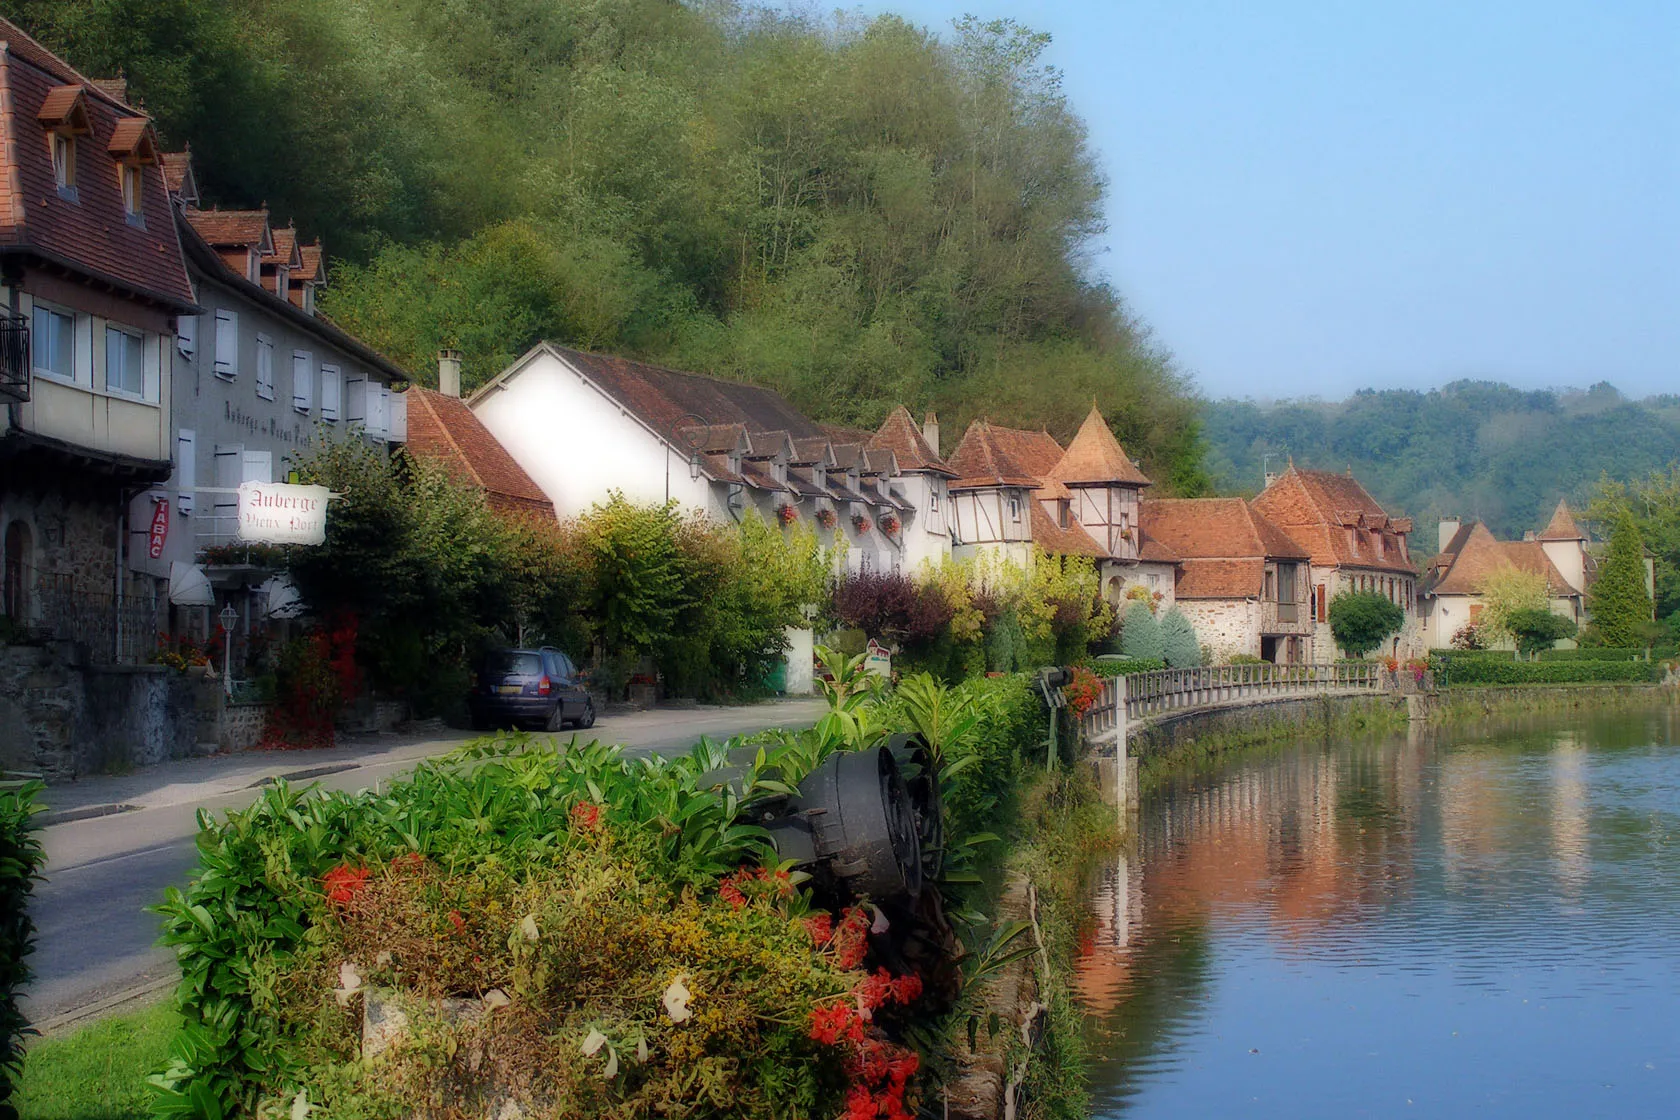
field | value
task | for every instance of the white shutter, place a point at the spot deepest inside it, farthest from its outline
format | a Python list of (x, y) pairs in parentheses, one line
[(257, 466), (186, 469), (397, 420), (186, 334), (303, 381), (355, 399), (227, 344), (332, 393), (379, 399), (230, 468), (265, 369)]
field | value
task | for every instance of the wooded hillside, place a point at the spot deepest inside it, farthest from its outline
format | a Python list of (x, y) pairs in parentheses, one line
[(857, 212)]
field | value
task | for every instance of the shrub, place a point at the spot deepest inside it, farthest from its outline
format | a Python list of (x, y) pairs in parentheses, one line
[(1469, 636), (1486, 671), (1140, 635), (20, 867), (1110, 665), (1506, 593), (1362, 620), (1592, 653), (1537, 628), (1178, 641)]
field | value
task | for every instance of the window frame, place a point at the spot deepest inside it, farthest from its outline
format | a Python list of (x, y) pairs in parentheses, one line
[(332, 375), (64, 169), (70, 317), (303, 374), (138, 338), (134, 209), (227, 369)]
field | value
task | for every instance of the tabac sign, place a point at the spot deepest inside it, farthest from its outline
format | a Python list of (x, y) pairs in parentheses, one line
[(282, 513)]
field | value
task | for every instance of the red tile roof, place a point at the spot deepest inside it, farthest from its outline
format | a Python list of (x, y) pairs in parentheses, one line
[(444, 430), (1221, 579), (89, 234), (1336, 520), (64, 105), (1216, 528), (314, 262), (133, 136), (286, 250), (177, 171), (240, 229), (1095, 457), (1057, 541), (1562, 526), (899, 434), (989, 455), (1473, 555)]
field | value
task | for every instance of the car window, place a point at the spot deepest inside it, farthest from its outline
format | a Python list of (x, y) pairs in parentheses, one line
[(556, 665), (567, 669), (513, 663)]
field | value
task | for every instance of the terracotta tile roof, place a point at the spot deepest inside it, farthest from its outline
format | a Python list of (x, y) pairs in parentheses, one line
[(717, 466), (285, 248), (133, 136), (114, 88), (899, 434), (758, 476), (813, 449), (880, 460), (840, 433), (444, 430), (314, 263), (1221, 579), (766, 445), (242, 229), (848, 455), (1096, 457), (1562, 526), (1153, 551), (715, 439), (799, 479), (990, 455), (63, 105), (89, 234), (177, 171), (1473, 555), (1215, 529), (1052, 538), (1336, 520), (1052, 491)]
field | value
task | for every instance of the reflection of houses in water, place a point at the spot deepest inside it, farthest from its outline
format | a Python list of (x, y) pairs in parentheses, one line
[(1569, 815)]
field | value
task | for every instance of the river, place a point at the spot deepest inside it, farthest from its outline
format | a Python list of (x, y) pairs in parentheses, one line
[(1468, 922)]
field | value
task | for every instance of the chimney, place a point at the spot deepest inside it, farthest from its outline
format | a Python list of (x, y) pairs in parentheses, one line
[(1448, 530), (1528, 535), (1271, 477), (449, 372), (930, 431)]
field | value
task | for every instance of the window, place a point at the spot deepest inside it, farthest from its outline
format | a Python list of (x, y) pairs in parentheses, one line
[(1062, 513), (186, 469), (125, 362), (1014, 508), (227, 344), (64, 162), (303, 381), (933, 501), (265, 369), (131, 186), (1269, 590), (230, 470), (54, 343), (186, 335), (331, 392)]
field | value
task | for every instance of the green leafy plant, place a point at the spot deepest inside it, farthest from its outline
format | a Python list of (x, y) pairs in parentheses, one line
[(21, 857), (1537, 628), (1362, 620)]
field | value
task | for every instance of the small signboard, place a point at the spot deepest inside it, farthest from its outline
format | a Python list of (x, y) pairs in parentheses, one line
[(159, 534), (282, 513), (879, 659)]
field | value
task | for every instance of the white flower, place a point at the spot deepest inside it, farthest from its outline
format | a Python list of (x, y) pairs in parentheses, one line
[(495, 999), (879, 925), (593, 1043), (612, 1066), (641, 1051), (676, 1001)]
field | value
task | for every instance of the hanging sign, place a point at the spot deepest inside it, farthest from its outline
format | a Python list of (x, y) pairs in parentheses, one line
[(879, 660), (282, 513), (159, 535)]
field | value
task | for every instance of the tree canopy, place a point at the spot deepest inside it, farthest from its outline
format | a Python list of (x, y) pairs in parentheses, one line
[(855, 211), (1362, 620), (1618, 600)]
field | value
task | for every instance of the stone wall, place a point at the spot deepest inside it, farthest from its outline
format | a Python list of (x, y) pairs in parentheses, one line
[(1215, 728), (1228, 626), (64, 719)]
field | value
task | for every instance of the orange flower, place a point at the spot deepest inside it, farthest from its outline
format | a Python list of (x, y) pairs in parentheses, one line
[(344, 883)]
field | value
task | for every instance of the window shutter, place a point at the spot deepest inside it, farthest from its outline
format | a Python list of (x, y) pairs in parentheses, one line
[(227, 344), (230, 467), (398, 418), (186, 335), (355, 400), (186, 469), (332, 389), (303, 388), (257, 466), (1320, 595), (265, 369)]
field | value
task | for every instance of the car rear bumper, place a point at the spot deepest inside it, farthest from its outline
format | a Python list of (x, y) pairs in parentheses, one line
[(511, 708)]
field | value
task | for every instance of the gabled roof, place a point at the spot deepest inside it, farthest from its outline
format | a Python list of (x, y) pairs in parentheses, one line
[(1095, 457), (1474, 554), (86, 232), (1216, 528), (133, 140), (1562, 526), (1243, 578), (768, 445), (989, 455), (285, 248), (1052, 538), (813, 450), (178, 176), (1336, 520), (880, 461), (233, 229), (314, 266), (444, 429), (899, 434)]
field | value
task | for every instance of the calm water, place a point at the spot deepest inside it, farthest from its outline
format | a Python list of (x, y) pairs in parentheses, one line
[(1447, 924)]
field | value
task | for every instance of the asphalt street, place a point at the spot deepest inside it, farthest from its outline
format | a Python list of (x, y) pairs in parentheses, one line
[(114, 843)]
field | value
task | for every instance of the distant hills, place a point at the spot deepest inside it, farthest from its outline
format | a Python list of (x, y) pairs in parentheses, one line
[(1472, 448)]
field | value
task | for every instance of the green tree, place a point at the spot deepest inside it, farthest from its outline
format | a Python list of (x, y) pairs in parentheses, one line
[(1504, 593), (1654, 503), (1362, 620), (1618, 600), (1537, 628), (1140, 634), (1178, 641)]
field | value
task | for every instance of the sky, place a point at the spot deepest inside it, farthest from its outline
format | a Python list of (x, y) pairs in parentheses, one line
[(1313, 198)]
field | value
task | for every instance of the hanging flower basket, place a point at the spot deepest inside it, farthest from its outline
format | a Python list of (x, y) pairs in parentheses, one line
[(826, 518), (889, 525), (861, 523), (787, 515)]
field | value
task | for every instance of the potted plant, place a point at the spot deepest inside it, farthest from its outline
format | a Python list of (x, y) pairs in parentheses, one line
[(861, 523), (786, 514), (890, 524), (826, 518)]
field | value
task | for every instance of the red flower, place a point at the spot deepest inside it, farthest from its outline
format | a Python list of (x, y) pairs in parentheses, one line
[(731, 893), (874, 990), (344, 883), (458, 922), (851, 939), (586, 815), (409, 861), (821, 929), (860, 1105), (835, 1023), (907, 988)]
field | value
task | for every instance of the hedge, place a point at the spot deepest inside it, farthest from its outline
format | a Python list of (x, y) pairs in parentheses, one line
[(1482, 671), (1603, 653), (1109, 665), (1473, 654), (20, 867)]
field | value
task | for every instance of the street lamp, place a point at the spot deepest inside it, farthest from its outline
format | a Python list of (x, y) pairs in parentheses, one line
[(689, 430), (228, 618)]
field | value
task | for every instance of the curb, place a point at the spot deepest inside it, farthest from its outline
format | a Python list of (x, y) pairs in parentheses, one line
[(100, 1008)]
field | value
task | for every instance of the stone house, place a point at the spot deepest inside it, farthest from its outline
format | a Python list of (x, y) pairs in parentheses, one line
[(1354, 544), (93, 279), (1242, 581)]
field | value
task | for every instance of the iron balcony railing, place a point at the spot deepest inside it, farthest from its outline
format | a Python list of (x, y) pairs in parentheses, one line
[(14, 358), (114, 629)]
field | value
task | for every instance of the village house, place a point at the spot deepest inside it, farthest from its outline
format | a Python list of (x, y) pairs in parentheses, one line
[(257, 377), (92, 277), (1354, 546), (442, 429), (1242, 581)]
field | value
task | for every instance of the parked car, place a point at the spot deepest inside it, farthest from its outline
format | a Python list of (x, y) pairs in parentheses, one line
[(537, 687)]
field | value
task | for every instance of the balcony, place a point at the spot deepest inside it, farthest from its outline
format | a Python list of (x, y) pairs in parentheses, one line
[(14, 358), (120, 630)]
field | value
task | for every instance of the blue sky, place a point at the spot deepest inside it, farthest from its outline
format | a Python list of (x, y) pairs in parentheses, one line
[(1311, 198)]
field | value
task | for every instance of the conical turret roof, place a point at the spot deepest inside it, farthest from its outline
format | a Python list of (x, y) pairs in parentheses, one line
[(1562, 527), (1095, 457)]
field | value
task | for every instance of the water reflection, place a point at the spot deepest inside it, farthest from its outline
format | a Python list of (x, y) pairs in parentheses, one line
[(1438, 924)]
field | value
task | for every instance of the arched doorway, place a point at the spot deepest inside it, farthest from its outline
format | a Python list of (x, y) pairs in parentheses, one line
[(14, 584)]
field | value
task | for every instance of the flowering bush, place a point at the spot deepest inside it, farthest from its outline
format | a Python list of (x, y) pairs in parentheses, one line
[(861, 523), (786, 514), (890, 524), (180, 653), (1082, 691), (826, 518), (1469, 636), (317, 676)]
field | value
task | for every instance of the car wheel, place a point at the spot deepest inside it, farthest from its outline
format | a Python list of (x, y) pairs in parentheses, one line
[(556, 718), (587, 719)]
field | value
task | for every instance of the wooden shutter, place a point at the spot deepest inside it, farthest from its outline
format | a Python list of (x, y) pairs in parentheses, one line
[(186, 469)]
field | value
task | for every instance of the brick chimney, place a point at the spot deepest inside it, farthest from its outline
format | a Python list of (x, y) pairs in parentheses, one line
[(449, 372), (930, 431)]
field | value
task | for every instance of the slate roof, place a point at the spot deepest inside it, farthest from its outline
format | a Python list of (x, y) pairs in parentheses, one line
[(90, 235), (1473, 554), (1562, 526), (1095, 457), (1336, 520), (444, 430), (989, 455), (899, 434)]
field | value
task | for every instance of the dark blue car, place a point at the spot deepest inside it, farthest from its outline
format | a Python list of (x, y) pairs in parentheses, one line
[(529, 688)]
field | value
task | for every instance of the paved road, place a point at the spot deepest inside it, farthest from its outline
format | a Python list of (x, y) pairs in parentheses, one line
[(95, 940)]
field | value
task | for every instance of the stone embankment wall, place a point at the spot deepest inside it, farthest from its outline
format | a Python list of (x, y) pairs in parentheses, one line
[(1263, 720), (64, 719)]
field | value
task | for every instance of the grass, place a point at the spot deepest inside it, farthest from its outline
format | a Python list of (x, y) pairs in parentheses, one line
[(99, 1072)]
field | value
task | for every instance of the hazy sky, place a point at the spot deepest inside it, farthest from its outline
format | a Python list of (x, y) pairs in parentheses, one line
[(1309, 198)]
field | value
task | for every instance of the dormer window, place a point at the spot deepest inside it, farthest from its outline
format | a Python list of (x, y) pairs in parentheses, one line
[(1062, 512), (64, 115), (253, 266), (1014, 507), (132, 184), (64, 162), (282, 280)]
